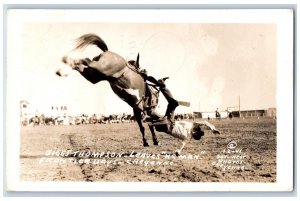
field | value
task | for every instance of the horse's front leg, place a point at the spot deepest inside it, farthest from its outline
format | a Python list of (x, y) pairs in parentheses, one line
[(138, 116), (155, 141)]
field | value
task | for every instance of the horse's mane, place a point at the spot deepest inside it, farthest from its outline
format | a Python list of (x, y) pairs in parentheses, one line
[(90, 39)]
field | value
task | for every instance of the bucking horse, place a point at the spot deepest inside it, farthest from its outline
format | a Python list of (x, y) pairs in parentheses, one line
[(125, 81)]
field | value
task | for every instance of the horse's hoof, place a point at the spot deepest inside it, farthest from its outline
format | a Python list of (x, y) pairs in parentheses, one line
[(146, 144), (156, 143)]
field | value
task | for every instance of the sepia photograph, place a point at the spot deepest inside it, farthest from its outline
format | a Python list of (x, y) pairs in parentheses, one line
[(159, 99)]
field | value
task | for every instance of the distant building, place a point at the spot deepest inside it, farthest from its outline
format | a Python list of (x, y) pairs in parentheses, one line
[(271, 112), (25, 112), (253, 113), (24, 109)]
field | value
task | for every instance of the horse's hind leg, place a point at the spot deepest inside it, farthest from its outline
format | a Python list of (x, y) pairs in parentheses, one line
[(155, 141), (138, 116)]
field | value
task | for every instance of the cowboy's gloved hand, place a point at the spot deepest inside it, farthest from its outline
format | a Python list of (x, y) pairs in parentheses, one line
[(161, 83)]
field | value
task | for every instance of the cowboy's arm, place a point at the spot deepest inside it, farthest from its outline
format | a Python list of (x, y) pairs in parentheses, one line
[(208, 126), (159, 83), (153, 80), (144, 74)]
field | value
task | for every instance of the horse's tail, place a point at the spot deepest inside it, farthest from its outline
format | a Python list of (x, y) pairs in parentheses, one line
[(90, 39)]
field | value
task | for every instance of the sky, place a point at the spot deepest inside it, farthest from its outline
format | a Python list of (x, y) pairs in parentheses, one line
[(209, 65)]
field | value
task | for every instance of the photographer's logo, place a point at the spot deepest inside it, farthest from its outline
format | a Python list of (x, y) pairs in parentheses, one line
[(232, 145), (231, 158)]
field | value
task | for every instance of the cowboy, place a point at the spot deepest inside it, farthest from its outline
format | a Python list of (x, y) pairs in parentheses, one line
[(172, 103), (185, 130)]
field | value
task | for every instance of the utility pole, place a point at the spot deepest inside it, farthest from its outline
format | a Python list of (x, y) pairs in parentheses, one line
[(240, 106)]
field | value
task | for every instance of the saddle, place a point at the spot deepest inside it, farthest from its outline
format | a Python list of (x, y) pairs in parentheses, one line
[(151, 97)]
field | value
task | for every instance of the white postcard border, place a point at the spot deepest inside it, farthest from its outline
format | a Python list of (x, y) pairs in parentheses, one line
[(282, 18)]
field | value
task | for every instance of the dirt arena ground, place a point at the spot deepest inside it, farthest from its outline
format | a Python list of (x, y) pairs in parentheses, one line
[(245, 151)]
